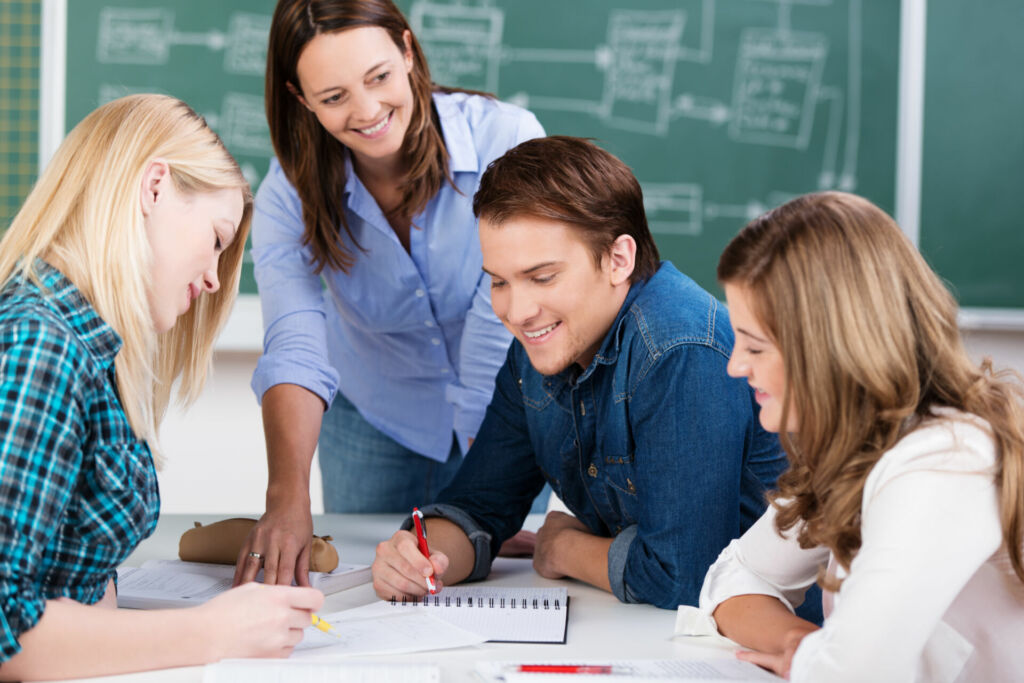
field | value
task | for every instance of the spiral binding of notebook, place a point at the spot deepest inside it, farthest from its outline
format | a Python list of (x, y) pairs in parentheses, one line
[(490, 601), (502, 615)]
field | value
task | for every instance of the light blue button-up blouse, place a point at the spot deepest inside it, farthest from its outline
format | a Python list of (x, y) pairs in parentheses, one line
[(408, 337)]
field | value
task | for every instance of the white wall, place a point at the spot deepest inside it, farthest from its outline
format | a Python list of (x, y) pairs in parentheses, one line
[(217, 459)]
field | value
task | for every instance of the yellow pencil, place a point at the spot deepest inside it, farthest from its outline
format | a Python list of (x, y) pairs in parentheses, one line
[(324, 626)]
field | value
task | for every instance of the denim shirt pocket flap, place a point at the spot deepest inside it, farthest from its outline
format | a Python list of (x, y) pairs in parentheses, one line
[(538, 392), (619, 476), (619, 473)]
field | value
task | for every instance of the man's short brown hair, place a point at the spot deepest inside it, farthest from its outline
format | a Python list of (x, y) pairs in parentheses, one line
[(573, 181)]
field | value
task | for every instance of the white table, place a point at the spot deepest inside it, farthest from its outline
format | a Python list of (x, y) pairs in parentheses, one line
[(600, 627)]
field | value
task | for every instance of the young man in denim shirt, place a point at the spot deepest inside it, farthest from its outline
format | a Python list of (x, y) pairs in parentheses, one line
[(614, 392)]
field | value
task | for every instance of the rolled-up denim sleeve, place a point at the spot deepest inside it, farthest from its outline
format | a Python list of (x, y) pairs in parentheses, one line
[(499, 478), (291, 298), (691, 434), (480, 539)]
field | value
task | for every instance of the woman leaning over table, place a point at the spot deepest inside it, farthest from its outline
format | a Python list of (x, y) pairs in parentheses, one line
[(380, 345), (117, 274), (905, 493)]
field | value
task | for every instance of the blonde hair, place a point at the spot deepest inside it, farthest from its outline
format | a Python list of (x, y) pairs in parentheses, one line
[(84, 217), (870, 345)]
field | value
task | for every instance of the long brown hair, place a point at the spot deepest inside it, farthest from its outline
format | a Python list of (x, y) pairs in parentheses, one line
[(869, 340), (312, 159)]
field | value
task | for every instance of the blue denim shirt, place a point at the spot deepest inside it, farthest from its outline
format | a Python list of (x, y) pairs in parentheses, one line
[(652, 444)]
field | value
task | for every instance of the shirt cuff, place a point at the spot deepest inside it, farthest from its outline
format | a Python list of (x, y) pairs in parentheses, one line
[(271, 371), (618, 553), (19, 615), (480, 539), (728, 577)]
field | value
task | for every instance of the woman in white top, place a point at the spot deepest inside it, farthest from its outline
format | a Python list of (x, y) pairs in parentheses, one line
[(905, 493)]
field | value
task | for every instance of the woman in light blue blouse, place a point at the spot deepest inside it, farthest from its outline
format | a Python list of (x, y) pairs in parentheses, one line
[(368, 263), (116, 275)]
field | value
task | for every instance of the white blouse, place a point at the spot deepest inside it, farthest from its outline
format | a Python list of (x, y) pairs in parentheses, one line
[(930, 596)]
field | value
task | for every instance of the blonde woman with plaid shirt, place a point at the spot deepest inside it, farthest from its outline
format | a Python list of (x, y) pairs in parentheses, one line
[(117, 274)]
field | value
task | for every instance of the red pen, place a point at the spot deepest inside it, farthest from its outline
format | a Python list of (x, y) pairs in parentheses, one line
[(568, 669), (421, 537)]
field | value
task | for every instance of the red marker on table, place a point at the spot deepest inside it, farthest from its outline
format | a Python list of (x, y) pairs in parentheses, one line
[(421, 537), (569, 669)]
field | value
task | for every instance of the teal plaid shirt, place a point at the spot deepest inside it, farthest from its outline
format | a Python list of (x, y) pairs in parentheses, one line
[(78, 490)]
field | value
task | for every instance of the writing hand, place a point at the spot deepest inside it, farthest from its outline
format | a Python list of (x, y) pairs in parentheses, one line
[(256, 620), (399, 569)]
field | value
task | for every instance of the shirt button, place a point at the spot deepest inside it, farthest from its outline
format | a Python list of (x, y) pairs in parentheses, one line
[(435, 341), (444, 371), (428, 323), (420, 293), (592, 470)]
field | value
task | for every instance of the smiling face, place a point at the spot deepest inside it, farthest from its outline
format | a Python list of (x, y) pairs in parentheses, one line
[(187, 234), (757, 359), (549, 293), (356, 82)]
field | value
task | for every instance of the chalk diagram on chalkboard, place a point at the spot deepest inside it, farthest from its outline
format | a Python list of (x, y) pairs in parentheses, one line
[(777, 86), (138, 36), (776, 93)]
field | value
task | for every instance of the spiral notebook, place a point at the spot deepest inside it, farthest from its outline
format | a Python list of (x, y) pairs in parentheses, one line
[(502, 615)]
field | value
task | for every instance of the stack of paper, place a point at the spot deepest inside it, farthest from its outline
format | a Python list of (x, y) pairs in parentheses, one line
[(173, 583)]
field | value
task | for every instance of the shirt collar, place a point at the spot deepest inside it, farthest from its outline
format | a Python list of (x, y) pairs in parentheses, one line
[(609, 351), (457, 137), (69, 302)]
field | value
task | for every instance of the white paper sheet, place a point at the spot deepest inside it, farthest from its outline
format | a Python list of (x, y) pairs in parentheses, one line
[(389, 634), (172, 583), (287, 671)]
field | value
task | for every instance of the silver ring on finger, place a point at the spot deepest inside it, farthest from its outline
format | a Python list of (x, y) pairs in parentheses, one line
[(255, 555)]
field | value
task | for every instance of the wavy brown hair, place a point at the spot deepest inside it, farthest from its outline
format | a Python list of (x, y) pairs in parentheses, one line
[(312, 159), (870, 345)]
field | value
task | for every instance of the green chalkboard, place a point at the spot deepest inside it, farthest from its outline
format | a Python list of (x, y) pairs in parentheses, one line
[(973, 167), (19, 104), (722, 109)]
